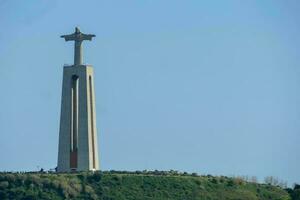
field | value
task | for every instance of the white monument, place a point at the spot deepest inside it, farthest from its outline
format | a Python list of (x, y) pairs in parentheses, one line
[(78, 148)]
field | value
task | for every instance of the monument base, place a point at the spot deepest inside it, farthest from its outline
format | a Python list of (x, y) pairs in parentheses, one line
[(78, 148)]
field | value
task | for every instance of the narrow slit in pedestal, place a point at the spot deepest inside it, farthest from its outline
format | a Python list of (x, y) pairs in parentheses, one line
[(74, 122)]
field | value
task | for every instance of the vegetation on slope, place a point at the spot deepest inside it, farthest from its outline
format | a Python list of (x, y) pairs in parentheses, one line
[(135, 185)]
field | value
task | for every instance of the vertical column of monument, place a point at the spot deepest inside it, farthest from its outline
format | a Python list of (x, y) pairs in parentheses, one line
[(87, 132), (83, 131), (65, 130), (93, 151)]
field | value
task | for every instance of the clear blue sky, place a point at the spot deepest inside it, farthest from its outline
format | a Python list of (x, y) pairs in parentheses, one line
[(199, 86)]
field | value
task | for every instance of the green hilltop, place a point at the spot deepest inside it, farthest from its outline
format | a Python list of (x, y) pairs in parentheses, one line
[(136, 185)]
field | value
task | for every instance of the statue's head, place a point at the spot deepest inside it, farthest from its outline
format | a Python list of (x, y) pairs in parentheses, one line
[(77, 30)]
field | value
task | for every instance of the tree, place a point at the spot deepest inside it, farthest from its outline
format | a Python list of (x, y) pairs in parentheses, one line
[(270, 180), (253, 179)]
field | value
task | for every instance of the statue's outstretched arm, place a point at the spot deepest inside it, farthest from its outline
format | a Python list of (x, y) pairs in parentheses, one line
[(87, 36), (69, 37)]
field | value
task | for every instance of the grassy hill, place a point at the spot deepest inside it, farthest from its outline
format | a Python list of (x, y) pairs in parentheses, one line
[(134, 185)]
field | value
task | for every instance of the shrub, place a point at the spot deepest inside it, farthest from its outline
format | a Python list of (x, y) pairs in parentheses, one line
[(194, 174), (230, 182), (96, 177), (4, 184), (214, 181)]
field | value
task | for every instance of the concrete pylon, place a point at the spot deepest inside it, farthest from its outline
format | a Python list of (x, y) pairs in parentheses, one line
[(78, 148)]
